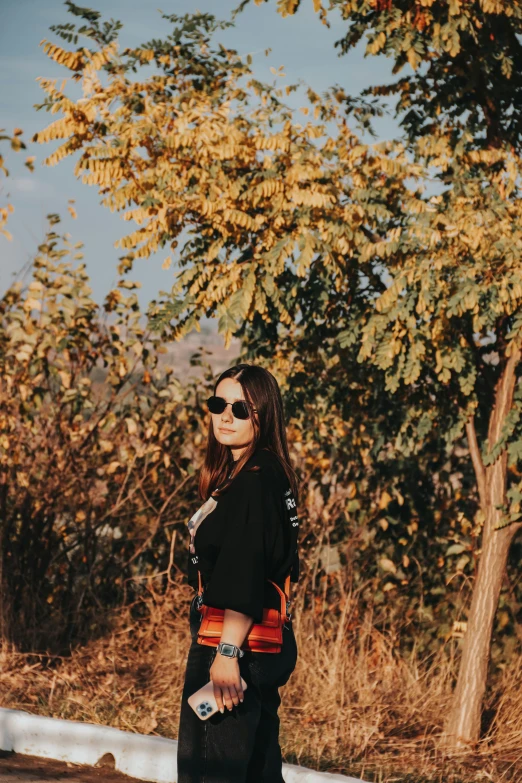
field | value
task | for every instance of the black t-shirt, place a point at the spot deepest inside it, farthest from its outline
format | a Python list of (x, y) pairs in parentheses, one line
[(249, 537)]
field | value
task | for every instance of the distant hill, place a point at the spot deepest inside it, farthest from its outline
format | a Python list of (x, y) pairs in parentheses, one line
[(179, 353)]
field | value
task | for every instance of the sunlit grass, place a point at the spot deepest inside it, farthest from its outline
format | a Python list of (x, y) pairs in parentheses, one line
[(353, 704)]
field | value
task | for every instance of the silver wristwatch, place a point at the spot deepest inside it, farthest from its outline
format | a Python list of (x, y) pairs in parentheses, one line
[(230, 650)]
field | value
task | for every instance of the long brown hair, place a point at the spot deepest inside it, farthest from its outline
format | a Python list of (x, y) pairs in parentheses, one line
[(262, 391)]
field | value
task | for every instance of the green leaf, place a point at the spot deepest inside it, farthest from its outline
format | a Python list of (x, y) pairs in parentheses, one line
[(455, 549)]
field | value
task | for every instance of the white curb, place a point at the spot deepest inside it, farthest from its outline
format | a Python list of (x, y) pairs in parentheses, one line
[(140, 756)]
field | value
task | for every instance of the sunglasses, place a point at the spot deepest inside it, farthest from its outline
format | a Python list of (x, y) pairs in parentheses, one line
[(240, 409)]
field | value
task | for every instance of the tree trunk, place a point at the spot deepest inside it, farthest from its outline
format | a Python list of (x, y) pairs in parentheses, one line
[(463, 725)]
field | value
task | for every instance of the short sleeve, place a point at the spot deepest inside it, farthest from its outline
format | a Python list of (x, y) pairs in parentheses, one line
[(239, 574)]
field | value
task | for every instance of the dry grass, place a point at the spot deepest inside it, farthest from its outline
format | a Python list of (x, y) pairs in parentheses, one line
[(352, 705)]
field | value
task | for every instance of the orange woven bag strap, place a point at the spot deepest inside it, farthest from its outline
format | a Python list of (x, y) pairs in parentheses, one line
[(285, 596)]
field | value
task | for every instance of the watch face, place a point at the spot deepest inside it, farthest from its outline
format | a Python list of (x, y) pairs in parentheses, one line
[(227, 649)]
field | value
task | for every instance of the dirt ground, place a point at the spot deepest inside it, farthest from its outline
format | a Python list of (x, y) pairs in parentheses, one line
[(29, 769)]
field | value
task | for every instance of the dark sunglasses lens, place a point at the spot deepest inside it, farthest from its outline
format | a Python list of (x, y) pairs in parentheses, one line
[(216, 404), (240, 410)]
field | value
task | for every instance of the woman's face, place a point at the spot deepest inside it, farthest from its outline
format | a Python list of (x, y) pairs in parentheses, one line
[(232, 432)]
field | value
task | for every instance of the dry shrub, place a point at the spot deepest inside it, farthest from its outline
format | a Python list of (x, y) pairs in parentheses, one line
[(131, 679), (97, 451), (506, 704), (354, 704)]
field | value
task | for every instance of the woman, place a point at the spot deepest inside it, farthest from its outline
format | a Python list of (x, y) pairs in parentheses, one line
[(244, 534)]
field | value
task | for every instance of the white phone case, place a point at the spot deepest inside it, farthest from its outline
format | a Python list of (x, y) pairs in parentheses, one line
[(203, 701)]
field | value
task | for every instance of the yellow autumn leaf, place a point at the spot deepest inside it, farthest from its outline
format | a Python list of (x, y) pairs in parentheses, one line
[(132, 427), (387, 565), (384, 500), (65, 378)]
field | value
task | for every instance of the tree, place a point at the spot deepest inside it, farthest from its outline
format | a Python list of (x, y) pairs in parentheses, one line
[(202, 147), (460, 109), (302, 236)]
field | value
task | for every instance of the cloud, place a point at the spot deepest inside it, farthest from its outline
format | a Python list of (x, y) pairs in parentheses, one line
[(24, 185), (30, 185)]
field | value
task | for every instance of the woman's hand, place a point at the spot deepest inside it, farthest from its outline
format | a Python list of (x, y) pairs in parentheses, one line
[(224, 671), (226, 679)]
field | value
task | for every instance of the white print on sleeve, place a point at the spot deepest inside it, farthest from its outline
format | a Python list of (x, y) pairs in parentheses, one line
[(290, 504)]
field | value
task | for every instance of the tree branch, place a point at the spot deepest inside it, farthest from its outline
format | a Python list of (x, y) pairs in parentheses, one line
[(504, 394), (476, 459)]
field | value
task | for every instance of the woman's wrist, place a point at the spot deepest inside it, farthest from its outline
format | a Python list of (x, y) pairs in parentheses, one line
[(236, 626)]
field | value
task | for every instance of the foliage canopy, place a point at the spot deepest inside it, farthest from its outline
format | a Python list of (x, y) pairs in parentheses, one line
[(465, 61)]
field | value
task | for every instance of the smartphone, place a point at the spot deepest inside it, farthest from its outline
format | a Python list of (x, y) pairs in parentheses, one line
[(203, 701)]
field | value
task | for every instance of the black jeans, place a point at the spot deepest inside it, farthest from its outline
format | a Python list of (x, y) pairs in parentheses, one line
[(239, 745)]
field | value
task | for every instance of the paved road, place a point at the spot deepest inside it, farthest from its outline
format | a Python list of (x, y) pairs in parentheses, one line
[(28, 769)]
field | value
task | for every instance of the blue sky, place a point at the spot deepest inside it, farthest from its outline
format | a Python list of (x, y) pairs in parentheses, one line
[(301, 43)]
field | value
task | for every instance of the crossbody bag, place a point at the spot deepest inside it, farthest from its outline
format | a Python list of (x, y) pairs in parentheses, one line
[(266, 636)]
